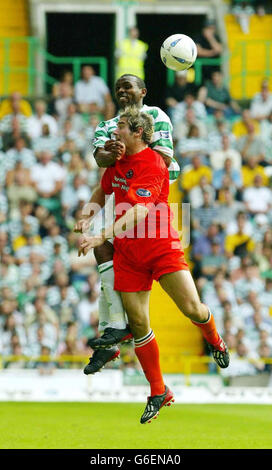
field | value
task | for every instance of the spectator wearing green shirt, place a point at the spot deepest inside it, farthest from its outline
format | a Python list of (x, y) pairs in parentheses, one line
[(218, 97)]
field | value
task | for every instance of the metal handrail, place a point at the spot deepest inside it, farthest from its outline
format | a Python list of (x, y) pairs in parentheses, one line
[(35, 48), (241, 49)]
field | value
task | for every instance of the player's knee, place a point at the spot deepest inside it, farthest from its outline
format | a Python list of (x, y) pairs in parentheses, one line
[(138, 327), (103, 253), (193, 310)]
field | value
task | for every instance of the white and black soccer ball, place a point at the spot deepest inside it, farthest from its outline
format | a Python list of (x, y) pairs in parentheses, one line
[(178, 52)]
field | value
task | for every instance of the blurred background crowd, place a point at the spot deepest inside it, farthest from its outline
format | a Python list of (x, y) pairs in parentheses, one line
[(49, 296)]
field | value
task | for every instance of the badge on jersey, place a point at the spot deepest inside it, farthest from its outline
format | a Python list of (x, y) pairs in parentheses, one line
[(143, 192), (129, 174), (165, 134)]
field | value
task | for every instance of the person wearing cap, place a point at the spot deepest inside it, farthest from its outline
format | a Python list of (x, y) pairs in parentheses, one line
[(208, 46)]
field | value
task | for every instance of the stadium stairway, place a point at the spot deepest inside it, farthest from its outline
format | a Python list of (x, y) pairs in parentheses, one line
[(14, 22), (257, 56), (176, 335)]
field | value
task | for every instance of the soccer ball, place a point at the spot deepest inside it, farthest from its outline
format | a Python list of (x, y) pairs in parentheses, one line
[(178, 52)]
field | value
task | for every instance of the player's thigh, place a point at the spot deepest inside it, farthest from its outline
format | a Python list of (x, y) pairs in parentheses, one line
[(181, 288), (104, 252), (136, 305)]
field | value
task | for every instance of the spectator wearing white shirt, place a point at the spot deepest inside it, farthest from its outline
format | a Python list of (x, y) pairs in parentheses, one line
[(48, 179), (11, 327), (190, 146), (266, 135), (218, 158), (266, 298), (266, 128), (20, 152), (47, 176), (181, 128), (74, 193), (36, 122), (54, 293), (257, 198), (87, 309), (250, 282), (261, 105), (62, 102), (215, 133), (251, 145), (92, 94), (229, 209), (249, 366), (42, 332), (78, 123), (196, 194), (3, 208), (234, 175), (241, 219), (67, 133), (256, 323), (189, 103), (47, 141)]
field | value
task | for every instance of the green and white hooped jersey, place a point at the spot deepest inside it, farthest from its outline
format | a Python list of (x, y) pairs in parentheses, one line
[(162, 137)]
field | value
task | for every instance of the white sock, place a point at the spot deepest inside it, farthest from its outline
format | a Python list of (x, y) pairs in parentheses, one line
[(117, 316), (103, 308)]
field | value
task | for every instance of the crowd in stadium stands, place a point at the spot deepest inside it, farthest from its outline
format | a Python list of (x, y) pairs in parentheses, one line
[(49, 296), (225, 155)]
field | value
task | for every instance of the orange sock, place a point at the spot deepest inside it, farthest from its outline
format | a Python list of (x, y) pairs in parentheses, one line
[(209, 330), (147, 351)]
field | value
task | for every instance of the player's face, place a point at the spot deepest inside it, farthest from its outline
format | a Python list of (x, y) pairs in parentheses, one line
[(123, 133), (128, 93)]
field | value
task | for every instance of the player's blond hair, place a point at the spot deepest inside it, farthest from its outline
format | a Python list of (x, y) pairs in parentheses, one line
[(136, 119)]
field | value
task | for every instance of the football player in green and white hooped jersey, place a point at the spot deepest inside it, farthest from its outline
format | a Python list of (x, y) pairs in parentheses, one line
[(129, 90)]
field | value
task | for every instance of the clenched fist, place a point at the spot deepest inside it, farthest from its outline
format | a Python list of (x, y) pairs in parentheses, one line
[(116, 147)]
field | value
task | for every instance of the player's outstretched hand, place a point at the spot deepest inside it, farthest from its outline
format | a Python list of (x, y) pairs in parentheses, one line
[(82, 225), (88, 242), (117, 148)]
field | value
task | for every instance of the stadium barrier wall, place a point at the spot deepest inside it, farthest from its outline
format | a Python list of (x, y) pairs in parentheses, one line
[(66, 360), (74, 386)]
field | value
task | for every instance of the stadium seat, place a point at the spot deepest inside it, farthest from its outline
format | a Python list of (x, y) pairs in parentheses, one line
[(14, 22), (256, 54)]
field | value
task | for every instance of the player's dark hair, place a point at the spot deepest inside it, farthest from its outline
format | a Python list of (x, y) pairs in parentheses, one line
[(140, 82), (136, 119)]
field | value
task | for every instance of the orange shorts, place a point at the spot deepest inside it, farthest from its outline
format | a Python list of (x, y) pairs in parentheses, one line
[(138, 262)]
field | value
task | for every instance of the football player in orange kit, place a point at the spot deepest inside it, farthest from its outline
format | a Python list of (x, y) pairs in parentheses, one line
[(149, 248)]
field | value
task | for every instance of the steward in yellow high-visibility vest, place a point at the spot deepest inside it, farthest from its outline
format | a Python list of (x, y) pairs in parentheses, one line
[(131, 54)]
